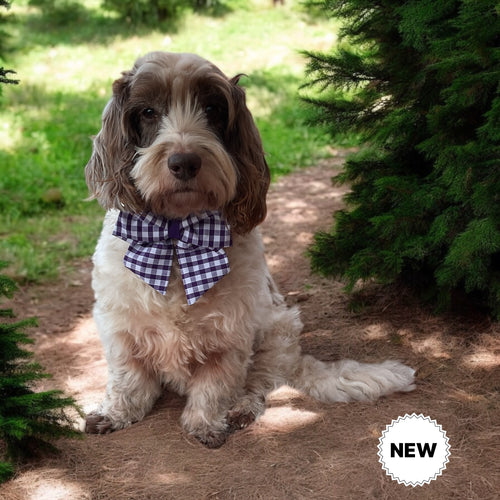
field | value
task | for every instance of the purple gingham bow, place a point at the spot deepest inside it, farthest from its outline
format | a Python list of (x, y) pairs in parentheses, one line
[(198, 242)]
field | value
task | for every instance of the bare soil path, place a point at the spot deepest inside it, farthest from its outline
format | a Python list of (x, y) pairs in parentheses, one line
[(299, 449)]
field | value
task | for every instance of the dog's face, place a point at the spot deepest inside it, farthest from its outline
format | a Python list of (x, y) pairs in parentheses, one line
[(176, 139)]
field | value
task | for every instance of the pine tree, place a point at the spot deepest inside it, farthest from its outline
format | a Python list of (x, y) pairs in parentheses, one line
[(420, 81), (29, 420)]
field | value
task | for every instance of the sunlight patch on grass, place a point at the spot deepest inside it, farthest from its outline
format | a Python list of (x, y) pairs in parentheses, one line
[(482, 358), (282, 415), (286, 418), (49, 484), (432, 346)]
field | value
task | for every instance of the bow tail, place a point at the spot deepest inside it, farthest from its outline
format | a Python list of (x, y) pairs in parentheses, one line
[(201, 270), (152, 264)]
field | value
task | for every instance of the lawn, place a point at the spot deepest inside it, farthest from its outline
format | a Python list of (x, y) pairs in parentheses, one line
[(66, 62)]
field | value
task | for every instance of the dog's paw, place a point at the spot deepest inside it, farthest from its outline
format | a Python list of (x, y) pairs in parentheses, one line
[(238, 420), (211, 438), (98, 424), (245, 412)]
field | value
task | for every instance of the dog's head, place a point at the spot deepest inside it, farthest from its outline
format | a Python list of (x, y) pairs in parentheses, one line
[(177, 138)]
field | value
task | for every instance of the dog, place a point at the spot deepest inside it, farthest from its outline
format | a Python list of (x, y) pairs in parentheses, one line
[(179, 153)]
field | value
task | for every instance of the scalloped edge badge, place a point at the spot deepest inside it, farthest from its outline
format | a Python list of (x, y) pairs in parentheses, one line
[(414, 450)]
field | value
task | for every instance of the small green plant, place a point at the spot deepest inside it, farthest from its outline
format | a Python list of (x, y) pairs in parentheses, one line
[(29, 420)]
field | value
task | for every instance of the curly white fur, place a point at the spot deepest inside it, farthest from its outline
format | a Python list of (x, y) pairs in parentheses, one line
[(240, 340)]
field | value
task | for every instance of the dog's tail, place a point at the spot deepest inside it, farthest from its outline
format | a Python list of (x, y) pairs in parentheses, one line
[(338, 381), (348, 380)]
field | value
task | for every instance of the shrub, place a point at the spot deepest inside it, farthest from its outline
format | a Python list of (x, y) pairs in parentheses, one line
[(150, 12), (419, 79), (154, 12), (29, 420), (59, 13)]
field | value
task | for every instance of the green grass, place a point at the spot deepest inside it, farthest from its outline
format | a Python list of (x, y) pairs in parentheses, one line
[(66, 63)]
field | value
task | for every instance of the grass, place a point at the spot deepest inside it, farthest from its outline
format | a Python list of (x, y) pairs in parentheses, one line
[(66, 64)]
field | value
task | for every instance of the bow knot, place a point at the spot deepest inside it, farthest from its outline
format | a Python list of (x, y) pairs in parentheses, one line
[(198, 241)]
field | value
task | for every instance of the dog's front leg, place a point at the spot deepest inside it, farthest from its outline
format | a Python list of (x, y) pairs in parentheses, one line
[(212, 390), (131, 392)]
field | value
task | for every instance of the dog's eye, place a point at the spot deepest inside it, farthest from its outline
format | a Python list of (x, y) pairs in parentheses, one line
[(148, 113), (211, 110), (216, 114), (215, 109)]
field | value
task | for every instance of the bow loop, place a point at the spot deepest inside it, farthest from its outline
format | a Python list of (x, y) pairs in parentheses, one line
[(198, 241), (210, 231)]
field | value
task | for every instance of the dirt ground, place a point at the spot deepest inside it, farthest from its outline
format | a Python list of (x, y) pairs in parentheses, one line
[(299, 449)]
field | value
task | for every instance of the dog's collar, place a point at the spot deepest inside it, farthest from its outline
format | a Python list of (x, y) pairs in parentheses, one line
[(198, 241)]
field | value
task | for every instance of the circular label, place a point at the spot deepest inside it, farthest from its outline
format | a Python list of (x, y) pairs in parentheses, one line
[(413, 450)]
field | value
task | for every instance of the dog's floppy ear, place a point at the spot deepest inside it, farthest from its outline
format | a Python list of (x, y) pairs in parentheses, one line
[(107, 172), (248, 208)]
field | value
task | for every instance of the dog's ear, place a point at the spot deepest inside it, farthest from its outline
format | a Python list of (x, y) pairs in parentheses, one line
[(248, 208), (108, 170)]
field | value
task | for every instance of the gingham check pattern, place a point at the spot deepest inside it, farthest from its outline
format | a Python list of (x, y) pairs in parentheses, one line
[(198, 242)]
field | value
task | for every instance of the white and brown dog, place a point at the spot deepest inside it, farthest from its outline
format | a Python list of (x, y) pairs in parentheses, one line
[(184, 298)]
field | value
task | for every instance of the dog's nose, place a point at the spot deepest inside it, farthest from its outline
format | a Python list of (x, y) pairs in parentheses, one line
[(184, 166)]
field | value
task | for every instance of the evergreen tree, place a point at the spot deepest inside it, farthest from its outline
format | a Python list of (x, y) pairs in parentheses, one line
[(29, 420), (420, 81)]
